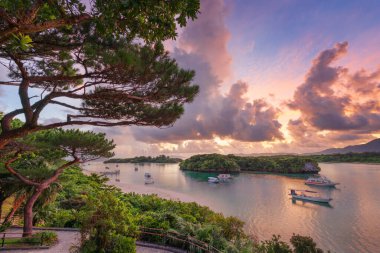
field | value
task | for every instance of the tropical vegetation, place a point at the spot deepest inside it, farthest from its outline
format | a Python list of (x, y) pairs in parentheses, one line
[(109, 219), (145, 159), (103, 63), (366, 157), (232, 163)]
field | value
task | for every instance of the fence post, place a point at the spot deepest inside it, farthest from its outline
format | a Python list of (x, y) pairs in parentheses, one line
[(42, 238), (3, 241)]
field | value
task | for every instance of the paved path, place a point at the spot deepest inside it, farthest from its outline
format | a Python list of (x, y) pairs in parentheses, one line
[(149, 250), (68, 239)]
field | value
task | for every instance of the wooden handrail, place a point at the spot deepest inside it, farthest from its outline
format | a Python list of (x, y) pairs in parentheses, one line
[(187, 240)]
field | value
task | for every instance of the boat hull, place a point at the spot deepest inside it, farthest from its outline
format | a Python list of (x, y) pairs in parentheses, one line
[(312, 199), (321, 184), (213, 180), (149, 181)]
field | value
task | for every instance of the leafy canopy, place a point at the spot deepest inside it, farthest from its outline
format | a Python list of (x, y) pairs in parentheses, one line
[(103, 62)]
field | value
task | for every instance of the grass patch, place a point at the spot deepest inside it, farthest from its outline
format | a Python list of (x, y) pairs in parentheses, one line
[(46, 238)]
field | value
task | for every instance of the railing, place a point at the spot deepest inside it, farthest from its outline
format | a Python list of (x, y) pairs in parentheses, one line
[(176, 240), (9, 239)]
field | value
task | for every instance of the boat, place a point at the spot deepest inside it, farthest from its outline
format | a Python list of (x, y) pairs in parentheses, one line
[(320, 181), (109, 173), (148, 178), (214, 180), (136, 169), (224, 177), (301, 195)]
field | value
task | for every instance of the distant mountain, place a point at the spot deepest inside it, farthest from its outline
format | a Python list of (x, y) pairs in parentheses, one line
[(372, 146)]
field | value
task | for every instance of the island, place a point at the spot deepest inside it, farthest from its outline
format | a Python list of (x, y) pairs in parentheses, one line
[(287, 164), (145, 159), (365, 157)]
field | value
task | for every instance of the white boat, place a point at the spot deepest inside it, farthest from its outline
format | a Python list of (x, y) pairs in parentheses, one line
[(224, 177), (214, 180), (148, 181), (301, 195), (148, 178), (320, 181)]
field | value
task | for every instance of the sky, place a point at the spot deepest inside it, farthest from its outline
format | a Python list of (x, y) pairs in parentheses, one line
[(281, 76)]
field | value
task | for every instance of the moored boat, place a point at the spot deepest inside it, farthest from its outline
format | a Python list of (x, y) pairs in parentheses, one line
[(301, 195), (214, 180), (148, 178), (320, 181), (224, 177)]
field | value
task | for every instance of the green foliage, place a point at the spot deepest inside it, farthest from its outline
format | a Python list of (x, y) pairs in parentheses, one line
[(275, 245), (211, 162), (85, 144), (110, 218), (150, 20), (232, 163), (304, 244), (20, 42), (105, 222), (366, 157), (48, 237), (145, 159), (115, 45)]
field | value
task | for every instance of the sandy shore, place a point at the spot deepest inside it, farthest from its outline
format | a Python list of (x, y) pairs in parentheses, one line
[(163, 193)]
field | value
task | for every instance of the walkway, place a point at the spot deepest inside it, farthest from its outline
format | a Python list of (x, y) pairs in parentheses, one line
[(68, 239)]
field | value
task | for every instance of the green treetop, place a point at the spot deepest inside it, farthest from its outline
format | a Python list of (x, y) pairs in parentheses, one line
[(40, 158), (103, 62)]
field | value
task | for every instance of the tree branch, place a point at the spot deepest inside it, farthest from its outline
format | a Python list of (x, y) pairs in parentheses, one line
[(15, 173), (33, 28), (59, 171), (10, 83), (4, 15)]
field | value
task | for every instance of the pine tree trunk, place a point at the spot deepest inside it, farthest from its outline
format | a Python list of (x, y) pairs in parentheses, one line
[(28, 211)]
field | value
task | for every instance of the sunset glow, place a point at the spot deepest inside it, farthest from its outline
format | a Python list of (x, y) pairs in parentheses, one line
[(274, 76)]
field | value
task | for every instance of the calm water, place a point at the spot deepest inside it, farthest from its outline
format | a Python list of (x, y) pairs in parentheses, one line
[(350, 224)]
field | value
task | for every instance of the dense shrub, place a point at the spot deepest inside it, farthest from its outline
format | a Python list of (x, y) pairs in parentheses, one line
[(211, 162), (48, 238), (304, 244), (145, 159), (232, 163)]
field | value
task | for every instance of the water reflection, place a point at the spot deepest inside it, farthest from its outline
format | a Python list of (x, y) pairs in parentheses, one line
[(309, 204)]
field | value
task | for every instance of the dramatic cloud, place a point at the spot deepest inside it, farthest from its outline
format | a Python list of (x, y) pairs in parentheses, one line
[(229, 116), (331, 99), (203, 47), (208, 37)]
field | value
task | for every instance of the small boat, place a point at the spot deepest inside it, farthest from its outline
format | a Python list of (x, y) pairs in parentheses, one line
[(136, 169), (320, 181), (224, 177), (301, 195), (107, 168), (148, 178), (214, 180), (109, 173)]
